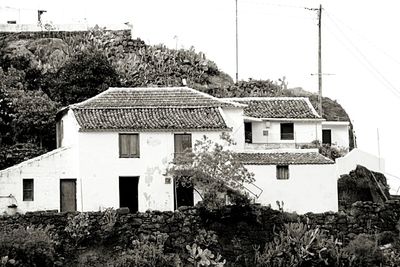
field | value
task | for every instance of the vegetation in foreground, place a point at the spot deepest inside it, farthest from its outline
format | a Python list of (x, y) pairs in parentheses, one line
[(89, 244)]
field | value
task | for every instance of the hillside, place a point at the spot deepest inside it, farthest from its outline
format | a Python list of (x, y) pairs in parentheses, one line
[(43, 71)]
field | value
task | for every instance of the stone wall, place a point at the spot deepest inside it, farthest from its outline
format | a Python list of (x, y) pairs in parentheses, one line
[(239, 229)]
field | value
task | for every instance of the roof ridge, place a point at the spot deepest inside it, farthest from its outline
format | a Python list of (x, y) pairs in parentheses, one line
[(147, 107), (248, 98)]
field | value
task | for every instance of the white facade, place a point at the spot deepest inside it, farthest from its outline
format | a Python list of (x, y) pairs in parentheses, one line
[(91, 158), (305, 131), (310, 188), (339, 132)]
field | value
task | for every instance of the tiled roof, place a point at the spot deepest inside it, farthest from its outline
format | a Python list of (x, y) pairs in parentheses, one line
[(277, 107), (283, 158), (178, 108), (150, 119), (154, 97)]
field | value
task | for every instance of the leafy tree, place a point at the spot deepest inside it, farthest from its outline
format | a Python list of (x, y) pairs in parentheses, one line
[(84, 75), (214, 170), (34, 117)]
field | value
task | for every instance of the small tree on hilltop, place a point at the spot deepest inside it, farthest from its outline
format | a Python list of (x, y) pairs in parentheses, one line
[(214, 171)]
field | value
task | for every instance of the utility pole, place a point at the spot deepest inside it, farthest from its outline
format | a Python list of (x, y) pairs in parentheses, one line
[(237, 64), (321, 112)]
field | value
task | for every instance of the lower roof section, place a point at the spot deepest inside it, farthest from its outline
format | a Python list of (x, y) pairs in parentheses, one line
[(206, 118), (284, 158)]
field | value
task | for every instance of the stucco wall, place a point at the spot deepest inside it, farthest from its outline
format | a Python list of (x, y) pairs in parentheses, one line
[(70, 129), (101, 167), (304, 132), (234, 119), (339, 133), (310, 188), (358, 157), (46, 170)]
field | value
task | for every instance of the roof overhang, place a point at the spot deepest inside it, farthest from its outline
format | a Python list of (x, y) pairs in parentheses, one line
[(282, 119), (336, 123)]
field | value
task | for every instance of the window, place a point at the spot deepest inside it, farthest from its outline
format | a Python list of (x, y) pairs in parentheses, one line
[(27, 185), (287, 131), (183, 142), (327, 137), (129, 146), (248, 132), (60, 133), (282, 172)]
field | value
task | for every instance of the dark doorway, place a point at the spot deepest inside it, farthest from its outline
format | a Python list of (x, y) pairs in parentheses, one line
[(248, 132), (128, 193), (327, 137), (183, 195), (67, 195)]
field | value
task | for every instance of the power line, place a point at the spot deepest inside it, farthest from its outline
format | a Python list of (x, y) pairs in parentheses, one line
[(367, 40), (387, 84)]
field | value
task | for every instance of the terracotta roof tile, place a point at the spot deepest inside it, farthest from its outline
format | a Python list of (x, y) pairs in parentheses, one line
[(278, 107), (154, 97), (283, 158), (179, 108), (150, 119)]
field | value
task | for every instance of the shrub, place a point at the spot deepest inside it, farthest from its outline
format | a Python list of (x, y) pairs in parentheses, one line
[(364, 251), (27, 247), (78, 227), (147, 254), (107, 222), (200, 257), (296, 245)]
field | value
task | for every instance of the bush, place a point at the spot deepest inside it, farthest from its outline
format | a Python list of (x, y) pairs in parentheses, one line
[(296, 245), (78, 227), (27, 247), (147, 254), (364, 251)]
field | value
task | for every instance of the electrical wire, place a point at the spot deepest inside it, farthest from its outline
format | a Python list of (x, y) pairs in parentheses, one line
[(381, 78), (366, 39)]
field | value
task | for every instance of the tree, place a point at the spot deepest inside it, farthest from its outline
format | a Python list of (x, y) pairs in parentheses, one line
[(84, 75), (34, 117), (214, 170)]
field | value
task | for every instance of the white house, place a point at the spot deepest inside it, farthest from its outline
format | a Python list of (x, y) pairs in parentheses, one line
[(114, 148)]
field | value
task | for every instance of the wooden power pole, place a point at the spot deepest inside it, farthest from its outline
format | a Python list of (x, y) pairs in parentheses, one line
[(321, 112), (237, 64)]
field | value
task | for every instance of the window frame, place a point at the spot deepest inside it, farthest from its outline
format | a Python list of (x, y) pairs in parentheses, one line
[(31, 191), (285, 170), (283, 134), (130, 154)]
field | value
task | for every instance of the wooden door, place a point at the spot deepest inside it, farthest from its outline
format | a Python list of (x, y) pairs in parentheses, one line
[(128, 193), (68, 195)]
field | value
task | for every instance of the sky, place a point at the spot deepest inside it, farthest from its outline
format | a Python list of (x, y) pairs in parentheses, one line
[(277, 38)]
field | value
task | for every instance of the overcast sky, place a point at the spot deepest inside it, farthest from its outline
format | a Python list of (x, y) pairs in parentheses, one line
[(276, 38)]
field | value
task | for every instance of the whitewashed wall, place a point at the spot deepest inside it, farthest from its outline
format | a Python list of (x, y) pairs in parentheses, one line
[(310, 188), (339, 132), (70, 129), (234, 119), (304, 132), (358, 157), (101, 167), (46, 170)]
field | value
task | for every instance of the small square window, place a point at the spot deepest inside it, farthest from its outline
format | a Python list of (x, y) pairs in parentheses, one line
[(282, 172), (27, 194), (129, 146)]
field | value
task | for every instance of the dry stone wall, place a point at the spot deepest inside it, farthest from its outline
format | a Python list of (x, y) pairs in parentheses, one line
[(239, 229)]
